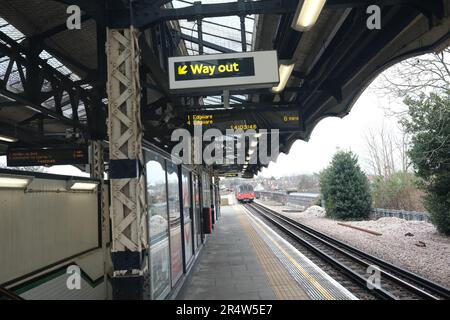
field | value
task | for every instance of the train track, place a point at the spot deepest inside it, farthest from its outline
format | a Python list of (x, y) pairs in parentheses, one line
[(396, 283)]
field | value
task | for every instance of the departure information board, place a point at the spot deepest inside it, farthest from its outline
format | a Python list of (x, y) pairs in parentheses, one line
[(46, 157), (288, 120)]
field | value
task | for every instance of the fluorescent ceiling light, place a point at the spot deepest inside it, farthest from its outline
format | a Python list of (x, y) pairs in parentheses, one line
[(285, 71), (308, 11), (82, 186), (12, 182), (7, 138)]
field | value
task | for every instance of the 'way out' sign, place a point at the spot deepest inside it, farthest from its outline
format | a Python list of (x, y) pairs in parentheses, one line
[(216, 71)]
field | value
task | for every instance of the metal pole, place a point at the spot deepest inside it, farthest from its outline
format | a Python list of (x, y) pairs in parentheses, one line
[(200, 45), (200, 36), (243, 34), (97, 171), (128, 187)]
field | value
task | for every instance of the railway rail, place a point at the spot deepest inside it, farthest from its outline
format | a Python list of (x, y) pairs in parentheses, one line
[(396, 282)]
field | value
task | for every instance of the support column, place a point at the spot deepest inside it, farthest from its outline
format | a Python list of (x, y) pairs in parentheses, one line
[(128, 203), (97, 167), (97, 170)]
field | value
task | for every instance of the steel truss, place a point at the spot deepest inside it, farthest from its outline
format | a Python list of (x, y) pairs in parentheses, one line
[(129, 208), (42, 87), (97, 161), (97, 168)]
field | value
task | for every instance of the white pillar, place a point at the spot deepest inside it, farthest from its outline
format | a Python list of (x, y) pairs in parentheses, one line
[(128, 187)]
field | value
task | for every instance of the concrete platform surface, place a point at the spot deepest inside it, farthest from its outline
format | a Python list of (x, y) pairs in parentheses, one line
[(237, 265)]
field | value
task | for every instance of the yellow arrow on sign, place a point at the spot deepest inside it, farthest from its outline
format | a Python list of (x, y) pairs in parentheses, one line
[(182, 70)]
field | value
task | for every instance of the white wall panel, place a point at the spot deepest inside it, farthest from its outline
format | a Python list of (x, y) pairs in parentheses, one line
[(42, 227)]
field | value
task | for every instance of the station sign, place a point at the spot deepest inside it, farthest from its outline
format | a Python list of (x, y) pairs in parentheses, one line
[(229, 70), (47, 157), (287, 120)]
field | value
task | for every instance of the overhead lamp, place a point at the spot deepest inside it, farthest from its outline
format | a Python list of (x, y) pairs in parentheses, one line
[(7, 138), (308, 11), (77, 185), (285, 71), (14, 182)]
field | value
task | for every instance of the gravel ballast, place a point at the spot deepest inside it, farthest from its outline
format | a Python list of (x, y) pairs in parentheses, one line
[(413, 245)]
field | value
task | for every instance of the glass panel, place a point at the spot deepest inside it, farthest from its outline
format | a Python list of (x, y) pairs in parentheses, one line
[(176, 251), (158, 226), (187, 217)]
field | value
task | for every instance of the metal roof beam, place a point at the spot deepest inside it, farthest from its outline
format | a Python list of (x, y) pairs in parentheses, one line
[(235, 92), (64, 59), (224, 26), (229, 9), (57, 29), (147, 17), (217, 36), (95, 9), (10, 104), (247, 106), (26, 135), (146, 14), (159, 3), (28, 60), (206, 44)]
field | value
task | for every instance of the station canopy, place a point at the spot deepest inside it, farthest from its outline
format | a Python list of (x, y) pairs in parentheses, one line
[(53, 80)]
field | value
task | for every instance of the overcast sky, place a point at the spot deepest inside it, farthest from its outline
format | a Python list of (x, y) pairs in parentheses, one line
[(332, 134)]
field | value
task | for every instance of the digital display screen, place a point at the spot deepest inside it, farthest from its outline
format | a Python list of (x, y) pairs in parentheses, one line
[(252, 120), (47, 156)]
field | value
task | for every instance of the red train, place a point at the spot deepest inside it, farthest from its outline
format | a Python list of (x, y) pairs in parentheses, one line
[(245, 193)]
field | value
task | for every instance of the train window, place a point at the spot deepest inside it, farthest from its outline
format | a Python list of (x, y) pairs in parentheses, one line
[(186, 189), (158, 226), (175, 222), (245, 188)]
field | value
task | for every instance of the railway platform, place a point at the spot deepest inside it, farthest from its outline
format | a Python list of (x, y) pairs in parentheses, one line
[(244, 259)]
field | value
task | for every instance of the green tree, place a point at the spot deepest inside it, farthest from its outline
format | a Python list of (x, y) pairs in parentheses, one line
[(428, 122), (399, 191), (345, 188)]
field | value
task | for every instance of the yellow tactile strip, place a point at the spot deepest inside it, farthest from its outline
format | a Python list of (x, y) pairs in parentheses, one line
[(308, 276), (282, 283)]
